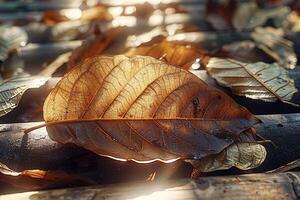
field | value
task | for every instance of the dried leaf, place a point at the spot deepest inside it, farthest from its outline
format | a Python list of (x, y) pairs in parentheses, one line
[(142, 109), (11, 38), (94, 45), (268, 82), (292, 22), (182, 55), (249, 15), (36, 179), (241, 155), (12, 90), (271, 41)]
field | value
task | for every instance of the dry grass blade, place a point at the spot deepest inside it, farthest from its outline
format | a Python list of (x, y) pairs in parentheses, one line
[(268, 82), (142, 109)]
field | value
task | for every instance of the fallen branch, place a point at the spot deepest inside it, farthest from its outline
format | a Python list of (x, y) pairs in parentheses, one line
[(254, 186), (287, 167)]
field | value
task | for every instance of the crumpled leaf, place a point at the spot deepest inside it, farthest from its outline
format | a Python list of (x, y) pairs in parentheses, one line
[(36, 179), (182, 55), (248, 15), (268, 82), (271, 41), (12, 90), (142, 109), (94, 45), (244, 155), (241, 155), (11, 38)]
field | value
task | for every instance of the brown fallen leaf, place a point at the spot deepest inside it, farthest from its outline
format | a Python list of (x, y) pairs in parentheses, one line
[(142, 109), (174, 53), (271, 41), (268, 82), (94, 45), (37, 179)]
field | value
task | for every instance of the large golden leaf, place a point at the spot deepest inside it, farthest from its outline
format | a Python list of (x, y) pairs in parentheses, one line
[(142, 109), (268, 82), (183, 55)]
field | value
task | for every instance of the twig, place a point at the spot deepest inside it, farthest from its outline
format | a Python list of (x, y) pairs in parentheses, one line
[(287, 167)]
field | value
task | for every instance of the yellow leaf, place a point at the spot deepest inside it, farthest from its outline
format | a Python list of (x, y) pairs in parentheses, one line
[(142, 109)]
